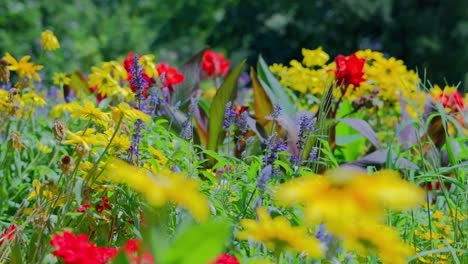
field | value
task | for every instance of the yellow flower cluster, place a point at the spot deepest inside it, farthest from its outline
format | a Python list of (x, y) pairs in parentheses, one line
[(160, 187), (440, 233), (352, 205), (390, 76), (49, 41), (278, 235), (107, 79), (312, 76)]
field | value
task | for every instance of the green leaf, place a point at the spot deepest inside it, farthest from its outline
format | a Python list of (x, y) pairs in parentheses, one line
[(199, 244), (121, 258), (273, 88), (224, 94)]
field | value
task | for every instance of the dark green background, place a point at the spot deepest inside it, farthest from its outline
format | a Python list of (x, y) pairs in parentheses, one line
[(429, 35)]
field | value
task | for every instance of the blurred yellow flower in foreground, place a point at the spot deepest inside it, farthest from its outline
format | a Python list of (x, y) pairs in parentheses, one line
[(49, 41), (278, 234), (160, 187), (352, 204)]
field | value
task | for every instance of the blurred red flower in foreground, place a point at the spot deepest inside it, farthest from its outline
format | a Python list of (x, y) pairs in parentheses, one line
[(214, 64), (8, 234), (349, 70), (226, 259), (76, 249), (132, 249)]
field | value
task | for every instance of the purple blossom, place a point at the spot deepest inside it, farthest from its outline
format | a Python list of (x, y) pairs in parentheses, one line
[(265, 175), (276, 111), (137, 79), (313, 155), (187, 129), (229, 116), (306, 125), (136, 138)]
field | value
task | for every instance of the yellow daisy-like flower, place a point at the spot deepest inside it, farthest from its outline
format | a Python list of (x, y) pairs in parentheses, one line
[(49, 41), (23, 67), (160, 187), (116, 69), (147, 61), (86, 138), (316, 57), (120, 143), (60, 109), (61, 79), (102, 78), (278, 234), (90, 112), (33, 99), (129, 114), (43, 148), (157, 154)]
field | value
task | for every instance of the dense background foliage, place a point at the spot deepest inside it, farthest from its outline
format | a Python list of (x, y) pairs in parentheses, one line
[(432, 34)]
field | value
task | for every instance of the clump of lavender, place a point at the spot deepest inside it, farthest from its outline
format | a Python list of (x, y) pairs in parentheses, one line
[(187, 129), (313, 155), (139, 82), (136, 138), (272, 149), (229, 116), (306, 123), (265, 175), (276, 111)]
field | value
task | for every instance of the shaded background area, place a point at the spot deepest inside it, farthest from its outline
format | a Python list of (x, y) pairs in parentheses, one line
[(429, 35)]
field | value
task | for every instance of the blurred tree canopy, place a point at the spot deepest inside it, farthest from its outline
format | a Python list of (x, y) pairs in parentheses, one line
[(428, 35)]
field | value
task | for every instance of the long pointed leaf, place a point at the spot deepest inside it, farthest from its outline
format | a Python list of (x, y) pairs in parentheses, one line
[(273, 88), (191, 71), (224, 94), (262, 103), (364, 128)]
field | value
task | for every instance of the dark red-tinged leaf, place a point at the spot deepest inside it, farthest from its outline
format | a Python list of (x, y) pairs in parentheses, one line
[(407, 134), (78, 84), (292, 133), (191, 71), (224, 94), (262, 103), (364, 129), (380, 157), (201, 122)]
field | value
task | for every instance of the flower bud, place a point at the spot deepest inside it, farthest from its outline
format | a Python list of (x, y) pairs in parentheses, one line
[(66, 164), (82, 150), (4, 71), (15, 140), (59, 129)]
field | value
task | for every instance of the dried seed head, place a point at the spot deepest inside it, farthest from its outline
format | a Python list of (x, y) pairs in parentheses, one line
[(15, 140), (66, 164), (4, 71), (13, 92), (82, 150), (59, 129)]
